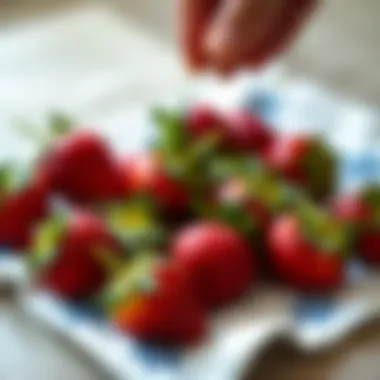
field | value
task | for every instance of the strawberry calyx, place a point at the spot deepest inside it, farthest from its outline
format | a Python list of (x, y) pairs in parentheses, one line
[(57, 125), (6, 180), (184, 159), (324, 231), (172, 136), (371, 201), (130, 283), (135, 224), (266, 187), (235, 215), (12, 180), (319, 167), (46, 241)]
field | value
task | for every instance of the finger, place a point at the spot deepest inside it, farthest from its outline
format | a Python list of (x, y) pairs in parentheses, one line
[(294, 13), (193, 19), (238, 25)]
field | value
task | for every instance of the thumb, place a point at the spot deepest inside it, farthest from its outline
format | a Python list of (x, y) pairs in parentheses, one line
[(238, 26)]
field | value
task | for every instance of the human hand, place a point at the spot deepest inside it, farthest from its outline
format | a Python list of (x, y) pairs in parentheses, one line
[(226, 35)]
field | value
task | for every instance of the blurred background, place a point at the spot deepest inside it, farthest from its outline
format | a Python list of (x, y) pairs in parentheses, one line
[(104, 61)]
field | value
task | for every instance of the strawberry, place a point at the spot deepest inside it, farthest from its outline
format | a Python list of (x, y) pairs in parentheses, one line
[(361, 211), (304, 161), (155, 302), (246, 133), (80, 167), (202, 120), (307, 250), (352, 208), (220, 263), (20, 210), (147, 175), (238, 131), (75, 270)]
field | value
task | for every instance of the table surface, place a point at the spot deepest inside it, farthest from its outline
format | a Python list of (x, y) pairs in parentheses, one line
[(346, 60)]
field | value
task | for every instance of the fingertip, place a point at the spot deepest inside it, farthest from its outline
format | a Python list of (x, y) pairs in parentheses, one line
[(219, 50), (193, 20)]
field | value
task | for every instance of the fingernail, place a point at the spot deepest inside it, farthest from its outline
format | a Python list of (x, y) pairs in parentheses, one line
[(220, 47)]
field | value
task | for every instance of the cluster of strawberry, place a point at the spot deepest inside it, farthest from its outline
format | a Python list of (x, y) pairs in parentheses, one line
[(161, 238)]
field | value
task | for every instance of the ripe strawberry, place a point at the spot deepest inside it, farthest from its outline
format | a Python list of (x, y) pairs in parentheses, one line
[(238, 131), (155, 302), (146, 174), (80, 167), (304, 161), (246, 133), (220, 263), (20, 210), (352, 208), (361, 211), (307, 249), (202, 120), (72, 250)]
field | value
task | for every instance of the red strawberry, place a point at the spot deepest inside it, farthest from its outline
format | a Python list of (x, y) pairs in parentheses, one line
[(306, 256), (246, 133), (352, 208), (238, 131), (145, 174), (304, 161), (361, 211), (219, 262), (202, 120), (81, 167), (159, 307), (76, 270), (19, 212)]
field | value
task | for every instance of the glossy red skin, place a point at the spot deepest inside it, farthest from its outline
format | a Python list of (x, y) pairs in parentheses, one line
[(298, 263), (169, 315), (145, 175), (368, 245), (80, 167), (286, 156), (240, 131), (220, 263), (202, 120), (353, 210), (77, 272), (246, 133), (19, 214)]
